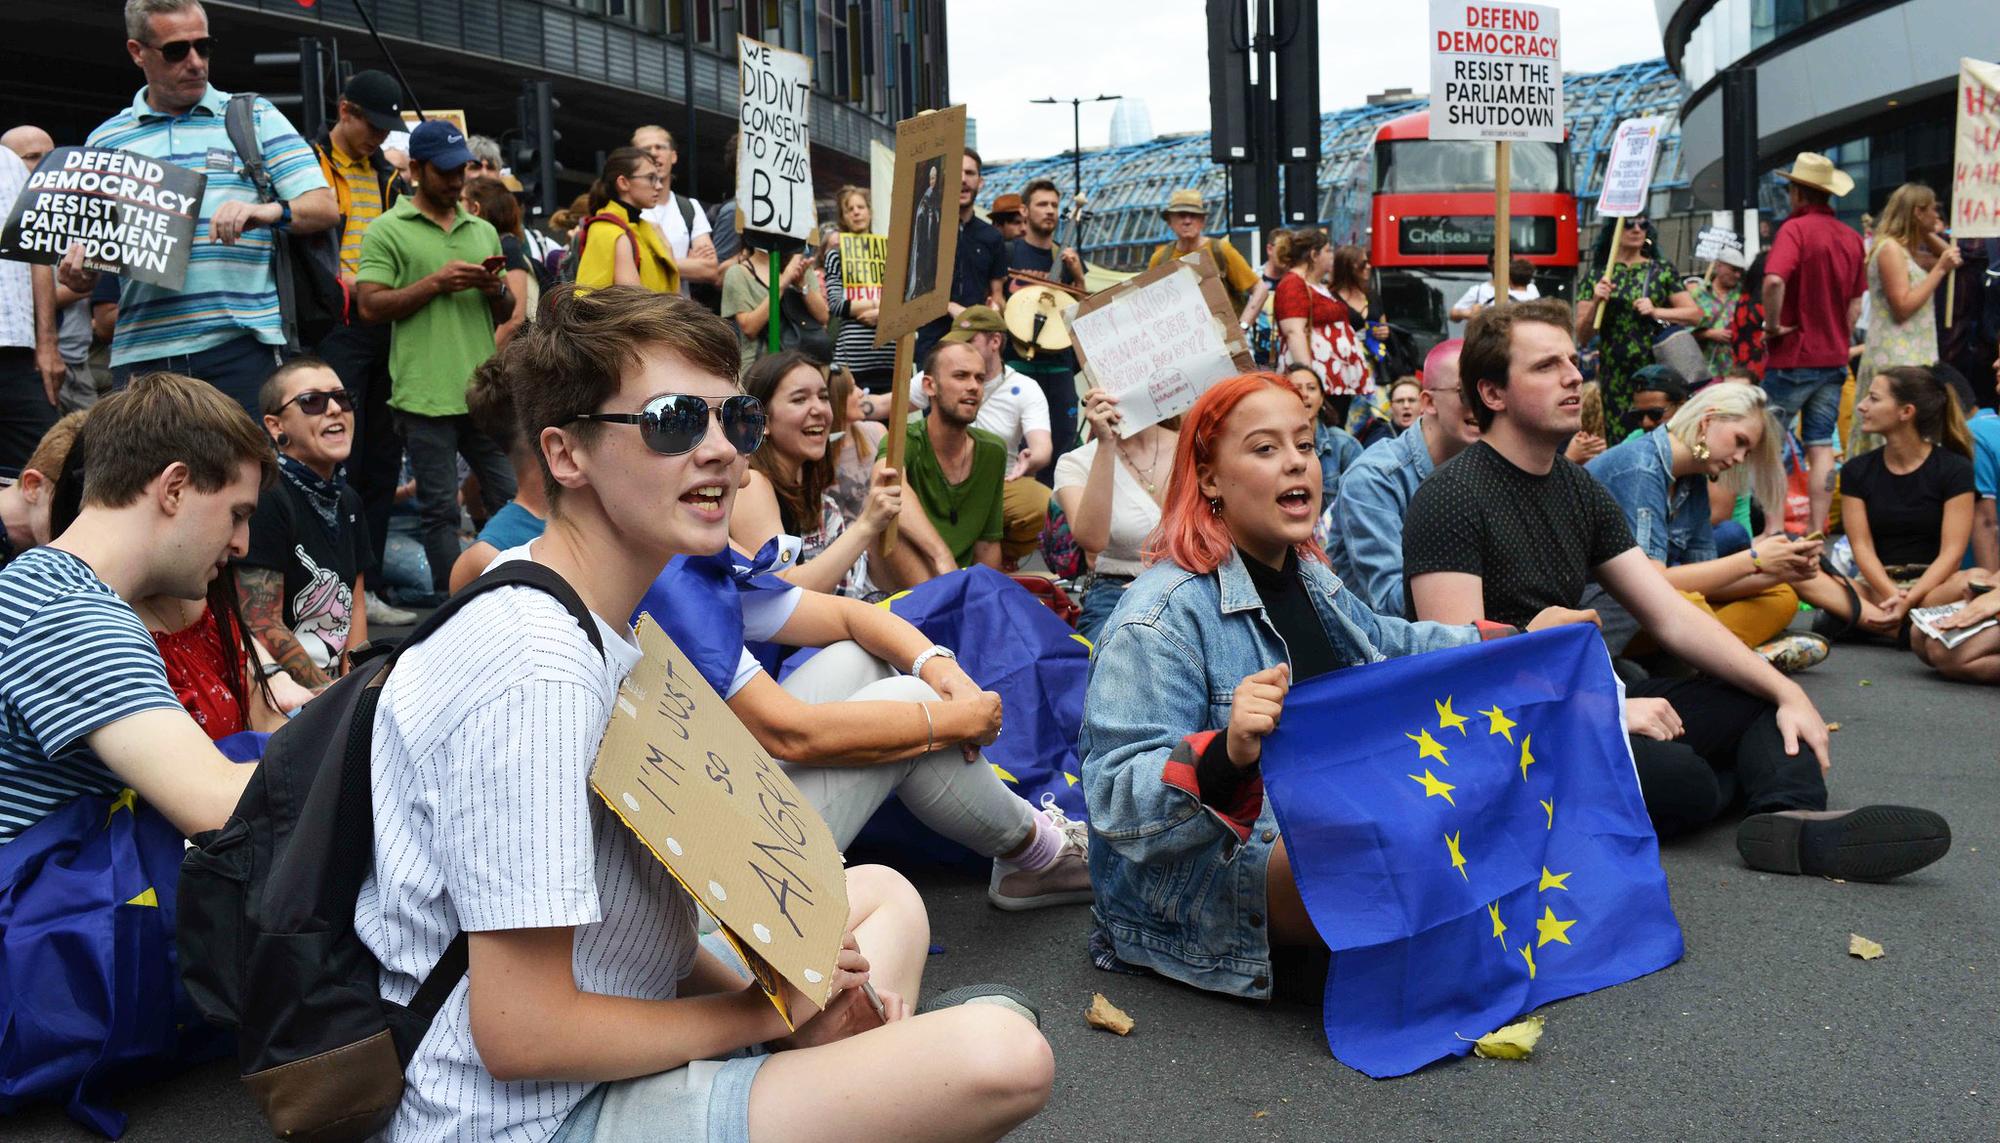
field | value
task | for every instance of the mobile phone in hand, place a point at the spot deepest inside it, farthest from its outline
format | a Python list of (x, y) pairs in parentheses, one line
[(496, 264)]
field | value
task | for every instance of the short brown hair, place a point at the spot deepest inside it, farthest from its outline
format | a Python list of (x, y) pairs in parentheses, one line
[(489, 400), (1489, 341), (497, 205), (53, 449), (1036, 186), (163, 419), (572, 358)]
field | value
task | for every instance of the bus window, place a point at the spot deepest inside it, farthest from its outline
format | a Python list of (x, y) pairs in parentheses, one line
[(1423, 166)]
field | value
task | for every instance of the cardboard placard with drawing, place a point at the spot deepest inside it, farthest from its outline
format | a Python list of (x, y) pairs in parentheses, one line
[(1159, 340)]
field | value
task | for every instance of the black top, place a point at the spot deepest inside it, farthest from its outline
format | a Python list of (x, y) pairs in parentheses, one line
[(981, 257), (1906, 513), (319, 564), (1532, 540)]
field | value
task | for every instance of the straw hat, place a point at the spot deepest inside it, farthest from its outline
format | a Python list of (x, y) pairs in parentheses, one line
[(1812, 169), (1185, 202)]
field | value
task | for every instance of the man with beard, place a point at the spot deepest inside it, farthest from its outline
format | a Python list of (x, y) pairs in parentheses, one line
[(958, 472), (1054, 372)]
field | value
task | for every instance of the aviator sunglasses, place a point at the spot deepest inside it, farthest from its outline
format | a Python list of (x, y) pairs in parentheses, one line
[(674, 423), (313, 402), (177, 50)]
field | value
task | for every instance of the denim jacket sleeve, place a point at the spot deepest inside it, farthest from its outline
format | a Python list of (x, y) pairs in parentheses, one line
[(1369, 517), (1641, 490), (1145, 722)]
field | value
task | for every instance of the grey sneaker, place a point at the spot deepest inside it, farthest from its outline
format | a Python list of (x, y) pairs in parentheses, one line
[(1795, 652), (380, 612), (1065, 882), (1011, 999)]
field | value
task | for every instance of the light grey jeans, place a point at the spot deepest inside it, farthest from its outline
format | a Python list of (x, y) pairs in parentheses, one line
[(965, 801)]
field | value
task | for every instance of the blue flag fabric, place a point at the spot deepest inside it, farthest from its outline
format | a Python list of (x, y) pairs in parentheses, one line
[(90, 996), (697, 601), (1473, 847), (1011, 644)]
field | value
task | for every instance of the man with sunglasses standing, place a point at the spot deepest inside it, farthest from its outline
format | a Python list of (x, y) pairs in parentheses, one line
[(223, 325), (309, 553), (434, 270)]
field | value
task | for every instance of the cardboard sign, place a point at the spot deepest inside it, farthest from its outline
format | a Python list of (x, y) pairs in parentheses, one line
[(1159, 340), (1975, 166), (1713, 240), (454, 116), (1628, 176), (774, 184), (1496, 71), (862, 264), (923, 222), (681, 772), (134, 216)]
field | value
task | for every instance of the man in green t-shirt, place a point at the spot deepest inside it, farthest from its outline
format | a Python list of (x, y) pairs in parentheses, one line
[(425, 268), (958, 472)]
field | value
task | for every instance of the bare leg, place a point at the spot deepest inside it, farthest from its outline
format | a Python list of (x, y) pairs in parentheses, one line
[(1977, 660), (1819, 463), (891, 927), (1290, 923)]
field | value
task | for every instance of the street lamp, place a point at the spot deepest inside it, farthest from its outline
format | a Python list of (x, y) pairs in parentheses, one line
[(1076, 149)]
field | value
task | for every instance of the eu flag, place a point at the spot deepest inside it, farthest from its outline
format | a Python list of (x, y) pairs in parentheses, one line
[(1466, 829)]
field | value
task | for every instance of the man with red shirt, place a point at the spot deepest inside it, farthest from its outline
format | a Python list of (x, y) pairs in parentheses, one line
[(1813, 285)]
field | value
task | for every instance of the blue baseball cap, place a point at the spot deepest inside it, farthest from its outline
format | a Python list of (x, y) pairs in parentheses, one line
[(439, 144)]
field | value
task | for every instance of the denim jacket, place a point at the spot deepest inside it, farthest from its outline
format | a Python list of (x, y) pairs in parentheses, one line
[(1180, 885), (1338, 450), (1366, 540), (1669, 517)]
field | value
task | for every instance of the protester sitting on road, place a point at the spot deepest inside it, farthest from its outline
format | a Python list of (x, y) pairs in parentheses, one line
[(490, 402), (1907, 506), (1406, 403), (1977, 659), (1657, 394), (1510, 527), (25, 503), (1725, 437), (589, 1008), (1639, 289), (1190, 676), (1337, 448), (215, 666), (1982, 423), (84, 703), (615, 245), (790, 491), (860, 442), (1110, 490), (1364, 541), (957, 470)]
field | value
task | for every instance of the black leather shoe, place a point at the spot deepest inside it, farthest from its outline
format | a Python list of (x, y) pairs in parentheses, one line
[(1873, 843)]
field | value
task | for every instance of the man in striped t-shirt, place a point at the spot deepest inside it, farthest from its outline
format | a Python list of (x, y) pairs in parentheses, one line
[(223, 325), (173, 477)]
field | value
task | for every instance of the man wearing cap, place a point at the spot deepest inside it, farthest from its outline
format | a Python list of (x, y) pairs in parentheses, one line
[(223, 325), (1187, 217), (1718, 298), (1014, 410), (1813, 284), (1006, 217), (433, 270), (364, 185)]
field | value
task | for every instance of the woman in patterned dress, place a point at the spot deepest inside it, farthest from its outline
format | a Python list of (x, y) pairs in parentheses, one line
[(1638, 290), (1317, 326)]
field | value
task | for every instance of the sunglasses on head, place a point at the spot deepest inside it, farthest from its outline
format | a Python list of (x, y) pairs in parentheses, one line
[(313, 402), (177, 50), (674, 423)]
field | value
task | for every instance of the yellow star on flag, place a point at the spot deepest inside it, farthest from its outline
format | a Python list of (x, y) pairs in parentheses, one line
[(1499, 926), (127, 799), (1428, 747), (1435, 788), (1528, 955), (1497, 722), (1457, 858), (1549, 928), (1550, 806), (1527, 759), (1552, 881), (1446, 719)]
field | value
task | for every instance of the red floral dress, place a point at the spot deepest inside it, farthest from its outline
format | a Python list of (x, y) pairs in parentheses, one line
[(199, 667), (1746, 334), (1333, 331)]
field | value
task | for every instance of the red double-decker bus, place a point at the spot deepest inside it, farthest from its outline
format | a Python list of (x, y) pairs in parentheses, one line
[(1431, 223)]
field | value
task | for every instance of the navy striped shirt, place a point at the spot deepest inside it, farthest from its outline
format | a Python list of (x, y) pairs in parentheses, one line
[(73, 658)]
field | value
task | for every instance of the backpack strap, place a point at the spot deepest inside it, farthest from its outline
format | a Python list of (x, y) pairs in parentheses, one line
[(239, 119), (686, 205)]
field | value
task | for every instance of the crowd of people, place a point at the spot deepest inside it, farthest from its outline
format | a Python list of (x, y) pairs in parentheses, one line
[(197, 549)]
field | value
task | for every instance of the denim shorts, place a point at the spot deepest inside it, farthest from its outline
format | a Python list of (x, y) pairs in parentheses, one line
[(706, 1101), (1811, 394)]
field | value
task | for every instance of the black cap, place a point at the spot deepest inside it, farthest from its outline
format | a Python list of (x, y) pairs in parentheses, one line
[(378, 97)]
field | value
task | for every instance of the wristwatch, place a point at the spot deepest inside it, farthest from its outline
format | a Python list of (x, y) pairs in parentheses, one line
[(934, 651), (284, 215)]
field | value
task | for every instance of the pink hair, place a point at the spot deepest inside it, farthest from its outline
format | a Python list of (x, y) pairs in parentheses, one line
[(1449, 347)]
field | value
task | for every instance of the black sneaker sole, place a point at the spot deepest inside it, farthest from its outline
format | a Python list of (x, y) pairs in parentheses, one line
[(1873, 843)]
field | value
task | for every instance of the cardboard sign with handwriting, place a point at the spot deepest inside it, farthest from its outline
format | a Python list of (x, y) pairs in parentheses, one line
[(1159, 340), (682, 773)]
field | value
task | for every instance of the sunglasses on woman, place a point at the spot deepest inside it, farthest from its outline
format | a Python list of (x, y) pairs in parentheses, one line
[(177, 50), (674, 423), (313, 402)]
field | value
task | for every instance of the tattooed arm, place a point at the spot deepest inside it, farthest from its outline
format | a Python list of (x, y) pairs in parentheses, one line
[(263, 592)]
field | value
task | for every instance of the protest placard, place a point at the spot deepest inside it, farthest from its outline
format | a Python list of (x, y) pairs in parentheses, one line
[(774, 188), (682, 773), (1713, 240), (1975, 169), (923, 222), (1628, 175), (452, 115), (134, 216), (862, 258), (1158, 341), (1496, 71)]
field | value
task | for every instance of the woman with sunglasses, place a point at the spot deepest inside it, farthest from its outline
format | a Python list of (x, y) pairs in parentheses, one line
[(1638, 290), (615, 245), (1191, 871)]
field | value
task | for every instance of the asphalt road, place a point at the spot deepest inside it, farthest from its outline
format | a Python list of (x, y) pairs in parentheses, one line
[(1767, 1030)]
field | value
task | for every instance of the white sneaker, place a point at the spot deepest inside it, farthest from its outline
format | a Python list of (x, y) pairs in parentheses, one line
[(1066, 880), (380, 612)]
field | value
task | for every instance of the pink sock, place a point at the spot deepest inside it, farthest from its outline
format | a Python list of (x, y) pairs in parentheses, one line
[(1043, 848)]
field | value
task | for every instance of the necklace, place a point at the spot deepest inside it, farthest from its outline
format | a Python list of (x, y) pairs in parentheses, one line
[(1145, 474)]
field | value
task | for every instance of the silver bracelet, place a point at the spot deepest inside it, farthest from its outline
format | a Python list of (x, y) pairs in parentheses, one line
[(930, 728)]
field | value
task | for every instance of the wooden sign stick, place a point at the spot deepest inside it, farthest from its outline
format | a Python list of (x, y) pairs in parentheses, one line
[(1503, 226), (899, 423), (1611, 259)]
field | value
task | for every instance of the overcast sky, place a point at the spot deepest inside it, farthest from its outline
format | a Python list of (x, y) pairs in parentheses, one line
[(1004, 54)]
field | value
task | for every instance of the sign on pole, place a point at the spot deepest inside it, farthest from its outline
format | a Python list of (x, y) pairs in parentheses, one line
[(134, 216), (1713, 240), (1628, 176), (774, 190), (1975, 169), (1496, 72)]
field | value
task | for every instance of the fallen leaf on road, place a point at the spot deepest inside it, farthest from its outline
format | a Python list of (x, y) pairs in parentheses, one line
[(1833, 728), (1858, 945), (1513, 1042), (1108, 1016), (1259, 1114), (1866, 683)]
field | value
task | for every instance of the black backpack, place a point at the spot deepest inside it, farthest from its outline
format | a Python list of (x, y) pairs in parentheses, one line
[(306, 266), (266, 936)]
